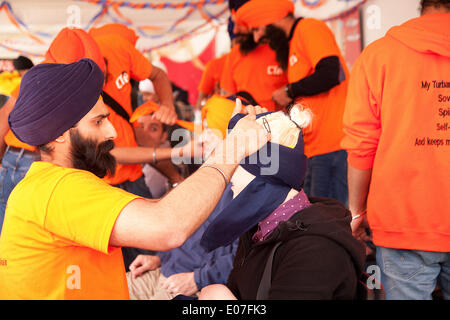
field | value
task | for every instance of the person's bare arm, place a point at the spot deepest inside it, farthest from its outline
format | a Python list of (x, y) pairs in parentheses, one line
[(358, 189), (4, 125), (201, 96), (140, 155), (166, 224), (166, 113)]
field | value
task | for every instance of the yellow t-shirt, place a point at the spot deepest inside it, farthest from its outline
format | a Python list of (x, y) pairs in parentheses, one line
[(55, 238)]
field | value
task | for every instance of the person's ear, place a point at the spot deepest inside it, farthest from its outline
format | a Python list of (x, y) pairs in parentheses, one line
[(64, 137), (60, 139)]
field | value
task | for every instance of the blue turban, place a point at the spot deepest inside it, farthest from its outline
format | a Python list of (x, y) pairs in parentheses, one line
[(53, 98), (261, 196)]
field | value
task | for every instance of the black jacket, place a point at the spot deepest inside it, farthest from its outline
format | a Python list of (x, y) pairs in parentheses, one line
[(319, 257)]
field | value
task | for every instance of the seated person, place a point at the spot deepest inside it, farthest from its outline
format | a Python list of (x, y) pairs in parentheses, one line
[(316, 255)]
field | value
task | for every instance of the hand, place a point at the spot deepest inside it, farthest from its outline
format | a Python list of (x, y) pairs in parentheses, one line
[(144, 263), (180, 283), (192, 149), (246, 109), (359, 230), (247, 136), (280, 97), (211, 139), (166, 115)]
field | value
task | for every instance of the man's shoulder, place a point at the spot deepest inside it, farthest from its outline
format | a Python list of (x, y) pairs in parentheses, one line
[(44, 174), (310, 25)]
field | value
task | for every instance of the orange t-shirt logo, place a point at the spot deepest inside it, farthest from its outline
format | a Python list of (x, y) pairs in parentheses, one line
[(293, 59), (122, 80), (274, 70)]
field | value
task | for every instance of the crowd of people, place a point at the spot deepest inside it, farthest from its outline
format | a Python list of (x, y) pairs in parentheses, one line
[(299, 173)]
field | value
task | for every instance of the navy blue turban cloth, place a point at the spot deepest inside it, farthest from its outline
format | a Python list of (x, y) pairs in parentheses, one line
[(53, 98), (261, 196)]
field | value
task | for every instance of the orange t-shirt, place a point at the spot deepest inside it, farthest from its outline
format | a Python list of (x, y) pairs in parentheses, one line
[(124, 61), (312, 41), (211, 75), (258, 73), (55, 238), (10, 138)]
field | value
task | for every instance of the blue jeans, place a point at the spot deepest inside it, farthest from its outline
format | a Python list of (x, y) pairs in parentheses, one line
[(139, 188), (413, 274), (327, 176), (14, 167)]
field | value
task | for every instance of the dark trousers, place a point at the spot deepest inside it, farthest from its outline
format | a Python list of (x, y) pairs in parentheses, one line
[(327, 176)]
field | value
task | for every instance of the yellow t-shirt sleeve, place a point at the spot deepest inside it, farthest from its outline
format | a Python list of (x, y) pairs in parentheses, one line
[(84, 208)]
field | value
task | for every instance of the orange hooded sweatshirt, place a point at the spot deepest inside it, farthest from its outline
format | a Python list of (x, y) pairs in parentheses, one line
[(397, 122)]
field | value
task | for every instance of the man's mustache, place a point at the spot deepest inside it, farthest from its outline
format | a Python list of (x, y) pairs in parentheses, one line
[(105, 146)]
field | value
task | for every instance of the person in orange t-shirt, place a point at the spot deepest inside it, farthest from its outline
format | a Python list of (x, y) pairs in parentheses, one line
[(210, 81), (64, 225), (252, 68), (397, 138), (256, 72), (318, 78)]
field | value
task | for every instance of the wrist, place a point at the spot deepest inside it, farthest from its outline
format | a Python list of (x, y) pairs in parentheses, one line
[(156, 262), (288, 91), (177, 152), (154, 156), (359, 215)]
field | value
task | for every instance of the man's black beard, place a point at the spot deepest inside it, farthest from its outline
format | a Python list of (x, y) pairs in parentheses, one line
[(246, 43), (90, 156), (278, 42)]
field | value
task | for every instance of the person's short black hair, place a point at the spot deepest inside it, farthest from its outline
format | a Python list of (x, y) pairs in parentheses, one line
[(236, 4), (434, 3), (22, 63)]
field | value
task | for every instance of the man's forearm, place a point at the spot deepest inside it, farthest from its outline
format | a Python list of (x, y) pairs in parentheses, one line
[(163, 89), (166, 224), (328, 73), (200, 98), (190, 204), (358, 189), (140, 155)]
